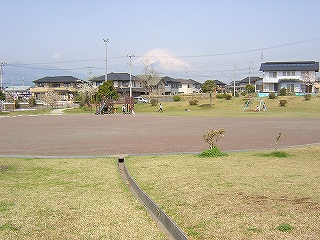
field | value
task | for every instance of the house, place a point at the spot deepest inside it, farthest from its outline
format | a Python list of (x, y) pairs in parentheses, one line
[(172, 86), (121, 82), (188, 86), (221, 86), (296, 77), (65, 86), (18, 92), (248, 80), (152, 85)]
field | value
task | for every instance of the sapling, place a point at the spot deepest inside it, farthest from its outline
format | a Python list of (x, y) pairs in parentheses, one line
[(278, 139), (213, 136)]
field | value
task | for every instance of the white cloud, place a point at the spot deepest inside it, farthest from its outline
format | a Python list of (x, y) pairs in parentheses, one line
[(56, 56)]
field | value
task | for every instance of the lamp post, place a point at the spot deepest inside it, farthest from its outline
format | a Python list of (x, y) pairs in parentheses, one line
[(106, 42), (130, 83)]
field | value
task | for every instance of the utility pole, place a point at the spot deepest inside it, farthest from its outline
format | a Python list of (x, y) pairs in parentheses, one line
[(250, 62), (234, 81), (106, 42), (1, 74), (130, 64)]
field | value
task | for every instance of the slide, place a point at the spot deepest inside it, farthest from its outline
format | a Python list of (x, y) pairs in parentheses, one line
[(101, 108)]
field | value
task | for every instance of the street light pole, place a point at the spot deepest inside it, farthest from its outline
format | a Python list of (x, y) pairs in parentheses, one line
[(130, 83), (106, 42)]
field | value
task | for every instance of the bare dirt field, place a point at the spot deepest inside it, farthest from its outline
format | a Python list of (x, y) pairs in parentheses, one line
[(104, 135)]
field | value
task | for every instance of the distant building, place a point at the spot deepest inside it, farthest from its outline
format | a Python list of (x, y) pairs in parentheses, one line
[(296, 77), (65, 86)]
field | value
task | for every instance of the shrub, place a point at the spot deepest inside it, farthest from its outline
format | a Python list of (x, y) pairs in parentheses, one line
[(82, 103), (283, 92), (32, 102), (193, 102), (153, 102), (176, 98), (220, 96), (272, 96), (285, 227), (307, 97), (228, 97), (282, 103), (243, 93), (213, 152)]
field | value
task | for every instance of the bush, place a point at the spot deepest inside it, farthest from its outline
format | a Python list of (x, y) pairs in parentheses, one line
[(214, 152), (224, 95), (243, 93), (32, 102), (228, 97), (193, 102), (307, 97), (283, 92), (153, 102), (176, 98), (272, 96), (282, 103)]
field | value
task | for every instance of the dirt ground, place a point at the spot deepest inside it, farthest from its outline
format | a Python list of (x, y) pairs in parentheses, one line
[(104, 135)]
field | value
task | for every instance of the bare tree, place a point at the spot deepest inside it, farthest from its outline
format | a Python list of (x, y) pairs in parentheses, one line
[(149, 76)]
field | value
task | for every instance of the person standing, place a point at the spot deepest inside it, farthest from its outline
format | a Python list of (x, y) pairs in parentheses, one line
[(160, 108)]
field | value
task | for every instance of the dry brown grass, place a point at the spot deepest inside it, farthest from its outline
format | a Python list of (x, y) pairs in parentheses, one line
[(69, 199), (241, 196)]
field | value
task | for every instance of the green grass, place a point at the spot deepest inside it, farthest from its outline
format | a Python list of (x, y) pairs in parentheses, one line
[(297, 106), (240, 196), (69, 199)]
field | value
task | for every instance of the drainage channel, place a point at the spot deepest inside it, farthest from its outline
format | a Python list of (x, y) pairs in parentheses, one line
[(158, 215)]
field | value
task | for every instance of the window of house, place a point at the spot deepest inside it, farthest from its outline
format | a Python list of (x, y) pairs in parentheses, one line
[(40, 85), (290, 87), (55, 85), (273, 74), (66, 85)]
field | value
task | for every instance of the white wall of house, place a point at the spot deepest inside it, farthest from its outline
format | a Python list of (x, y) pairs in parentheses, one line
[(186, 88), (273, 81)]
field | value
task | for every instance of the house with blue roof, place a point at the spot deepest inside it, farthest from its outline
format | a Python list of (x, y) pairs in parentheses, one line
[(296, 77)]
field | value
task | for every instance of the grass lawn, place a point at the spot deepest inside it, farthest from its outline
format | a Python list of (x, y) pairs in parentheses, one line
[(296, 106), (69, 199), (245, 195)]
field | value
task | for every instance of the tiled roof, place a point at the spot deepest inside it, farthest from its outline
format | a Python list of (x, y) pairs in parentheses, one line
[(252, 79), (115, 77), (290, 66), (57, 79)]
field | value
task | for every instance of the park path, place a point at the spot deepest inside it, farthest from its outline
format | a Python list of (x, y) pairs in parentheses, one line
[(105, 135)]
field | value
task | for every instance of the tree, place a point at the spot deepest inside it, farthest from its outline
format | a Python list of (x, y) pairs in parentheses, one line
[(308, 79), (2, 96), (209, 87), (107, 90), (213, 136), (149, 75), (87, 92), (250, 88), (51, 98)]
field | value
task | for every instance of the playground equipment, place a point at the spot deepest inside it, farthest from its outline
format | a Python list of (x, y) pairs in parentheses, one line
[(107, 106), (261, 106)]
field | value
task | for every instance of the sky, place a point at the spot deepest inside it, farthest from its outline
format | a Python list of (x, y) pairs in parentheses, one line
[(219, 39)]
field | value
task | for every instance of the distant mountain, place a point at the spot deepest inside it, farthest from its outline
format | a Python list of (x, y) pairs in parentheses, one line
[(23, 74), (162, 61)]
